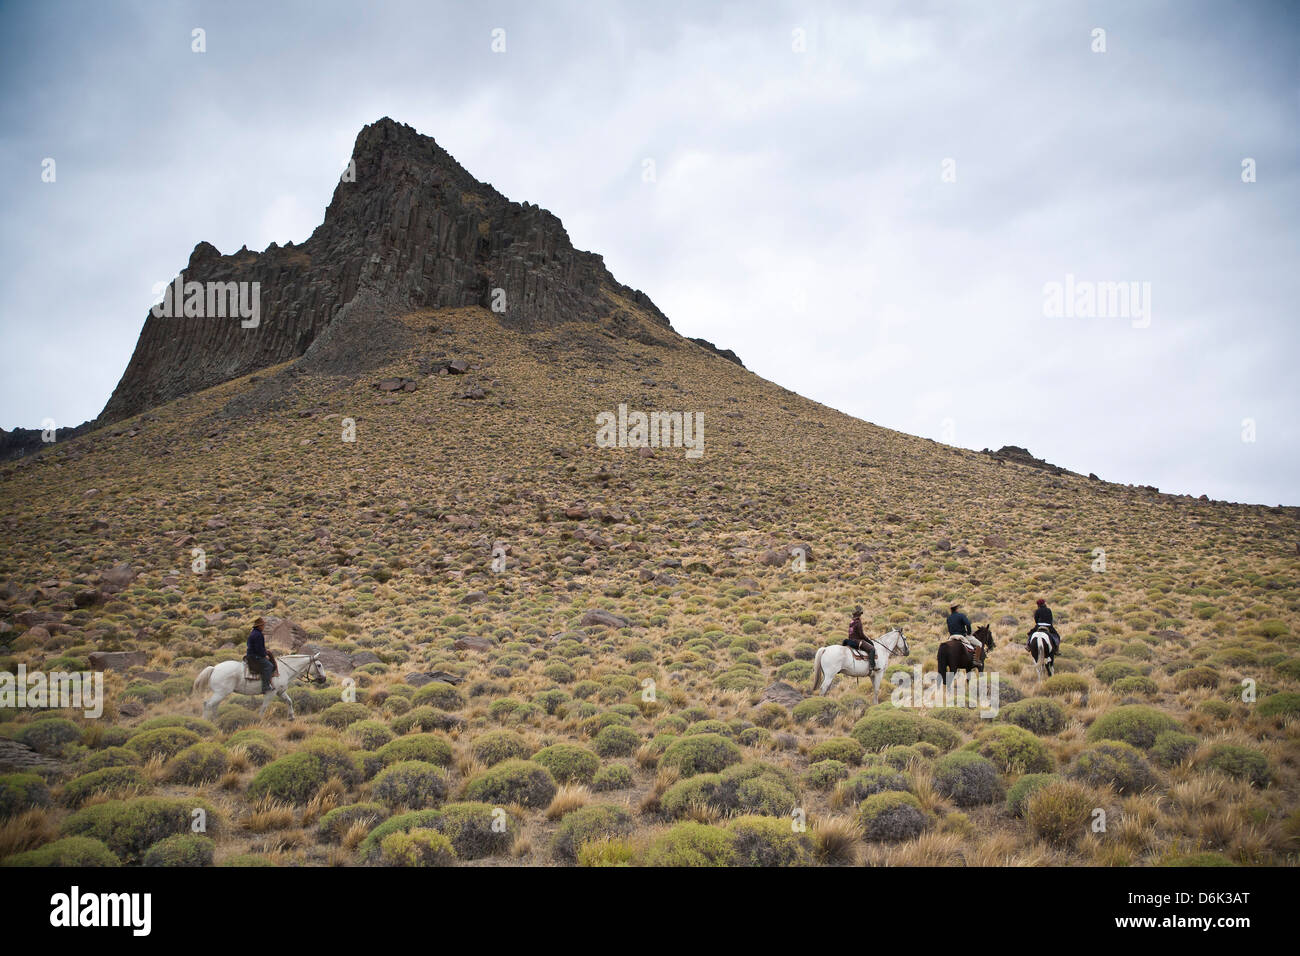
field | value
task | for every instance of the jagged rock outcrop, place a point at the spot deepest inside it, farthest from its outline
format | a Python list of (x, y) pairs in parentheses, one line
[(1021, 456), (407, 226)]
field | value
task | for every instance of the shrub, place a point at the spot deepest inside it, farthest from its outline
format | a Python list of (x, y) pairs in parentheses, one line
[(815, 710), (1195, 677), (469, 827), (372, 734), (754, 736), (431, 748), (513, 781), (256, 743), (115, 781), (423, 718), (1059, 811), (888, 727), (294, 778), (1280, 705), (181, 849), (1172, 747), (336, 823), (1241, 763), (700, 753), (967, 779), (344, 714), (1198, 859), (825, 774), (129, 827), (1134, 724), (1116, 763), (1058, 685), (439, 695), (614, 776), (70, 851), (769, 841), (1136, 684), (410, 783), (417, 848), (569, 763), (892, 816), (1109, 672), (597, 821), (844, 749), (750, 788), (1038, 715), (874, 780), (691, 844), (196, 764), (20, 792), (197, 724), (1015, 750), (610, 852), (164, 742), (901, 756), (50, 735), (616, 741), (498, 745), (1022, 788), (111, 757)]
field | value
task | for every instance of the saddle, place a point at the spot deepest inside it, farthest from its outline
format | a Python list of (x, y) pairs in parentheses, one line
[(248, 672)]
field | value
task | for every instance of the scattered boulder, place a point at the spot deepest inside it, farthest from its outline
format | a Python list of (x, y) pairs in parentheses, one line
[(603, 618), (781, 693), (772, 558), (473, 643), (117, 660), (118, 577)]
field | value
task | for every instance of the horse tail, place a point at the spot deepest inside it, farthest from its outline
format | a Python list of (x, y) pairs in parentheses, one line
[(201, 682), (817, 669)]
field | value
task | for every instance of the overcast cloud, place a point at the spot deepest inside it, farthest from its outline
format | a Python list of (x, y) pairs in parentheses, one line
[(797, 214)]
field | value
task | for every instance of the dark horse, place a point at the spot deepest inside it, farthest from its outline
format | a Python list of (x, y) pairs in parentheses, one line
[(955, 656)]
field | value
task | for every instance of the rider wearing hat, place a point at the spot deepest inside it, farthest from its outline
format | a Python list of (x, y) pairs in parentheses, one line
[(1043, 616), (958, 623), (858, 639), (259, 662)]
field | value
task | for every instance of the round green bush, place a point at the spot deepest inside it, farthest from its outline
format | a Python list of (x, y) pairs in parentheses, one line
[(197, 724), (129, 827), (294, 778), (20, 792), (1115, 763), (888, 727), (1109, 672), (196, 764), (337, 822), (70, 851), (1172, 747), (967, 779), (1136, 684), (247, 859), (614, 776), (1134, 724), (51, 735), (513, 781), (825, 774), (691, 844), (181, 849), (498, 745), (372, 734), (768, 841), (256, 743), (165, 742), (815, 710), (873, 780), (616, 741), (1019, 791), (593, 822), (424, 719), (700, 753), (1038, 715), (110, 757), (753, 736), (902, 756), (416, 848), (1241, 763), (1280, 705), (1199, 676), (844, 749), (410, 784), (114, 781), (1015, 750), (431, 748), (1059, 811), (891, 817), (439, 695), (343, 714), (475, 829), (569, 763), (754, 787), (1058, 685)]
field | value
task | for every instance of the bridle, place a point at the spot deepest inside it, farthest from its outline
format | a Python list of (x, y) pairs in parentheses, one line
[(305, 676)]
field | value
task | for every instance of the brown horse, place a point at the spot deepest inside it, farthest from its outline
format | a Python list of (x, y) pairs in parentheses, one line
[(955, 656)]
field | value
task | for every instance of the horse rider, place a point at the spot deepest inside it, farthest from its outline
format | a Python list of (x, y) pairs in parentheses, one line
[(259, 662), (857, 639), (1043, 620), (959, 627)]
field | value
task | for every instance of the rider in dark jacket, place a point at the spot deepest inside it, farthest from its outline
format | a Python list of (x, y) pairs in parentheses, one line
[(958, 623), (258, 660), (860, 640), (1043, 615)]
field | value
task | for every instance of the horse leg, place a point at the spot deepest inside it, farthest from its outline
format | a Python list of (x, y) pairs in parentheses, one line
[(284, 696), (210, 705), (829, 676), (875, 687)]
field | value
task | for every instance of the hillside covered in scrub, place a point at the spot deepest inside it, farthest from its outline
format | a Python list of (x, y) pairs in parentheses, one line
[(543, 651)]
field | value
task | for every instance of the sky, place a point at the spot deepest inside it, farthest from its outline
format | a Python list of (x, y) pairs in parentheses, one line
[(869, 202)]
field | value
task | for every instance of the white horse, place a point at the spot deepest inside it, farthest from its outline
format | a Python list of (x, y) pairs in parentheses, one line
[(836, 658), (228, 678), (1040, 646)]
